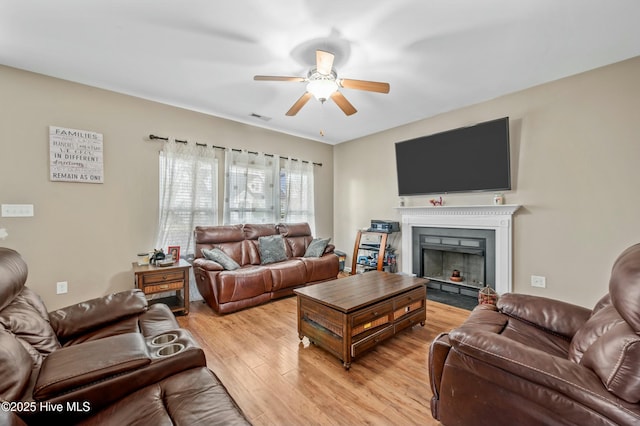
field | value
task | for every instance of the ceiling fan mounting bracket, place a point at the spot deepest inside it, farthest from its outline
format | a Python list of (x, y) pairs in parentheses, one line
[(314, 74)]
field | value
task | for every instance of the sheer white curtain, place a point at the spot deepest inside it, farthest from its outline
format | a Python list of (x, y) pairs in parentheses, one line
[(296, 179), (188, 197), (251, 187)]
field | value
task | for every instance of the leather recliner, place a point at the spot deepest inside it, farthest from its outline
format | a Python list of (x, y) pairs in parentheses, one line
[(99, 360), (531, 360)]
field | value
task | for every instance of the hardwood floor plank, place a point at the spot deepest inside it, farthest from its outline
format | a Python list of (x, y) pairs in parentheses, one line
[(278, 379)]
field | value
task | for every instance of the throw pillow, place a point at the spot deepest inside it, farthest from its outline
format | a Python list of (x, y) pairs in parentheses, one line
[(221, 257), (272, 249), (316, 247)]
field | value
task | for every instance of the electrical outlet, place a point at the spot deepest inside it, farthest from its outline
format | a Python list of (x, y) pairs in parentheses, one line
[(61, 287), (538, 281)]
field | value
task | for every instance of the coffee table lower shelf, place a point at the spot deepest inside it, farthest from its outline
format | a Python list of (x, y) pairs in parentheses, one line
[(346, 335)]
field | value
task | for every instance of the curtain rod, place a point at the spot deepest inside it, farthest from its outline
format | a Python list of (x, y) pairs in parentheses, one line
[(154, 137)]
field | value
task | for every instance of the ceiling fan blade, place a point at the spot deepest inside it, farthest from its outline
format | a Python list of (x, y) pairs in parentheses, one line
[(324, 62), (343, 103), (370, 86), (299, 104), (276, 78)]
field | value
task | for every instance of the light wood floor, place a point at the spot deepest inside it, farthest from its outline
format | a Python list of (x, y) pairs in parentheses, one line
[(276, 379)]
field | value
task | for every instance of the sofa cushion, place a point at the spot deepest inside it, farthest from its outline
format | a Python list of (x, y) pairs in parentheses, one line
[(228, 238), (316, 247), (607, 345), (615, 357), (13, 275), (272, 249), (624, 286), (243, 283), (321, 268), (16, 367), (221, 257), (289, 230), (253, 231), (24, 317), (287, 274), (297, 237), (218, 234), (599, 323), (608, 342), (193, 397)]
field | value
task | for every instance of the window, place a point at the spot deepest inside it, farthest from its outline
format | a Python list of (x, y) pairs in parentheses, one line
[(257, 190), (188, 194), (251, 192), (296, 192)]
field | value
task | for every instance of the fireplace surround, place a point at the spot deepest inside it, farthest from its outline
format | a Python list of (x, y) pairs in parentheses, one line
[(496, 218)]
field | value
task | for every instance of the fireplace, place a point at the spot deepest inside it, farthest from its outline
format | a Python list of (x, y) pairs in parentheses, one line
[(455, 260), (469, 225)]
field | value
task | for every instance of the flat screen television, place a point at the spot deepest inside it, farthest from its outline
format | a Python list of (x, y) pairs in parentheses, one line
[(474, 158)]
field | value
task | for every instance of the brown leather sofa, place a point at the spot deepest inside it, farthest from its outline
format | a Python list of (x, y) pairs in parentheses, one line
[(254, 283), (537, 361), (110, 360)]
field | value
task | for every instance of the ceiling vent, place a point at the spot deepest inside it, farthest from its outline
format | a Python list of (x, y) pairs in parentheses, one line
[(261, 117)]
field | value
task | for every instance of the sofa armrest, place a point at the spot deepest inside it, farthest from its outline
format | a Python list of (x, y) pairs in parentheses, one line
[(438, 352), (554, 315), (530, 364), (85, 316), (80, 365), (207, 265)]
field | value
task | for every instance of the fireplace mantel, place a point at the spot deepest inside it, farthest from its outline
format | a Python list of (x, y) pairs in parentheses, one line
[(495, 217)]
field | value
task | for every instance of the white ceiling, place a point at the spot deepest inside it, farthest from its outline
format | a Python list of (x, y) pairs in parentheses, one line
[(437, 55)]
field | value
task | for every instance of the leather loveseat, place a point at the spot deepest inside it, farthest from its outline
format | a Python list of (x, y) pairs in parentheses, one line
[(537, 361), (110, 360), (251, 281)]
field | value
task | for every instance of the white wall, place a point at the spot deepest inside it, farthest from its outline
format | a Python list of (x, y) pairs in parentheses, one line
[(574, 151)]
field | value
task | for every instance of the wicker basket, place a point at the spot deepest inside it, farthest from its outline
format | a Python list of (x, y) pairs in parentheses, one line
[(487, 296)]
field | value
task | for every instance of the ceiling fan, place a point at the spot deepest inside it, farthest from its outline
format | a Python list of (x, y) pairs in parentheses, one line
[(323, 83)]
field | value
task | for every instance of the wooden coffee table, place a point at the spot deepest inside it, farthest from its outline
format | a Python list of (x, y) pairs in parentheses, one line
[(349, 316)]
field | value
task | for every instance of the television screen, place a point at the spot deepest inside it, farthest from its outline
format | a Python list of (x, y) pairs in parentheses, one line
[(474, 158)]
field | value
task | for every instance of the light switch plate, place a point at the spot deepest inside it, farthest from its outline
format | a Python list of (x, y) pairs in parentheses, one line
[(17, 210)]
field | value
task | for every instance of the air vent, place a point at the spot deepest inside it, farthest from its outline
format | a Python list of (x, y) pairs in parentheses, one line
[(261, 117)]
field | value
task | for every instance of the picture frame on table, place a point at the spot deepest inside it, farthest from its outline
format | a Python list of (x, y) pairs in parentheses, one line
[(174, 251)]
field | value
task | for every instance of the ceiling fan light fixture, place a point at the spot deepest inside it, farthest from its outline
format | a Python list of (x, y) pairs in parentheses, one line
[(320, 85), (322, 89)]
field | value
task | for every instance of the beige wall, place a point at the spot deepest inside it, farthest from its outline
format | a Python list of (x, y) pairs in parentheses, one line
[(575, 151), (88, 234), (574, 145)]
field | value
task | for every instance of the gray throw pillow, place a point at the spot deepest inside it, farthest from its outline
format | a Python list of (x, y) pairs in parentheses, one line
[(316, 247), (221, 257), (272, 249)]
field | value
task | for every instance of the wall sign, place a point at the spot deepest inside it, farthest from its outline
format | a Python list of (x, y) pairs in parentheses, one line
[(75, 155)]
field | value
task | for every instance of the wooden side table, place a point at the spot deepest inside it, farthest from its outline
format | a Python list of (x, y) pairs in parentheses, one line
[(160, 279)]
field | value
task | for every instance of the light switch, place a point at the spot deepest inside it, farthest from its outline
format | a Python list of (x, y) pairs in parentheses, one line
[(17, 210)]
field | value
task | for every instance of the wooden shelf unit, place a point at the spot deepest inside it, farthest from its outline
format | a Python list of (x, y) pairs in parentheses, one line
[(361, 247)]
